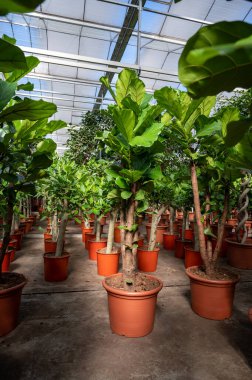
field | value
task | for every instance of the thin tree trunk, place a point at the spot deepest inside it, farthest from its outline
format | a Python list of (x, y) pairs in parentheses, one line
[(202, 244), (221, 227), (111, 228), (196, 236), (183, 224), (98, 229), (172, 214), (55, 227), (61, 236), (154, 224)]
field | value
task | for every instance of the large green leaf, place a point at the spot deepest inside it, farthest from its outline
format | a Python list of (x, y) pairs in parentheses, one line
[(137, 90), (125, 121), (7, 91), (25, 86), (45, 146), (41, 161), (11, 57), (123, 84), (28, 109), (18, 6), (169, 98), (241, 156), (217, 58), (106, 83), (236, 130), (131, 175), (210, 127), (52, 126), (16, 75), (149, 136), (155, 173)]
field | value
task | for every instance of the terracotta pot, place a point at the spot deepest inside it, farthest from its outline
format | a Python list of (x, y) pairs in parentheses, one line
[(192, 257), (191, 216), (18, 237), (117, 235), (179, 248), (140, 242), (211, 299), (189, 235), (47, 236), (88, 236), (56, 268), (179, 215), (29, 224), (84, 231), (13, 253), (160, 231), (9, 306), (239, 255), (107, 263), (103, 221), (6, 261), (50, 246), (94, 246), (33, 219), (169, 241), (147, 260), (232, 222), (132, 314)]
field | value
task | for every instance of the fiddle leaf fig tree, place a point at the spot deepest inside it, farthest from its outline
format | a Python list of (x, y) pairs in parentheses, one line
[(134, 143)]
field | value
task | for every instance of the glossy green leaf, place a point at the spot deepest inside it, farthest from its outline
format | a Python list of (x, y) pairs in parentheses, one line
[(41, 161), (45, 146), (18, 6), (9, 39), (149, 136), (209, 128), (123, 84), (7, 91), (121, 183), (16, 75), (125, 121), (11, 57), (155, 173), (137, 90), (106, 83), (169, 98), (217, 58), (126, 194), (28, 109), (25, 86), (140, 195), (236, 130), (132, 175)]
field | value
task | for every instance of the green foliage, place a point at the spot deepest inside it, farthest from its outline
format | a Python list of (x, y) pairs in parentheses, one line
[(217, 58), (18, 6), (82, 144)]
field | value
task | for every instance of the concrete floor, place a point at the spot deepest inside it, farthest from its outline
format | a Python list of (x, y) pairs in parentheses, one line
[(64, 331)]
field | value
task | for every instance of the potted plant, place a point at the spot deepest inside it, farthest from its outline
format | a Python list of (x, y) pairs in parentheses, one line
[(24, 154), (134, 143)]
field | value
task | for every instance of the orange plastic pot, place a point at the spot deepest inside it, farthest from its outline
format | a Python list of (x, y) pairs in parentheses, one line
[(192, 257), (169, 241), (117, 235), (132, 314), (160, 231), (211, 299), (18, 237), (147, 260), (6, 261), (88, 236), (50, 246), (13, 253), (56, 267), (94, 246), (47, 236), (179, 248), (84, 231), (9, 305), (239, 255), (107, 263)]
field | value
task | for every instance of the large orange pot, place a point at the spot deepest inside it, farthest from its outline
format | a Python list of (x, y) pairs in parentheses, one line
[(192, 257), (84, 231), (47, 235), (239, 255), (179, 248), (56, 267), (132, 314), (88, 236), (18, 237), (147, 260), (160, 231), (107, 263), (169, 241), (6, 261), (117, 235), (50, 246), (211, 299), (9, 304), (94, 246)]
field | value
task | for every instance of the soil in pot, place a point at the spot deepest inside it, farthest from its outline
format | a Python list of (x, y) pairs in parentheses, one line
[(212, 299), (147, 260), (107, 263), (56, 267), (94, 246), (11, 286), (239, 255), (132, 314)]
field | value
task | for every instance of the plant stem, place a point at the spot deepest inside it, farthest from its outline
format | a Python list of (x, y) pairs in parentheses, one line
[(98, 229), (110, 241), (183, 224), (221, 226), (154, 223), (172, 214)]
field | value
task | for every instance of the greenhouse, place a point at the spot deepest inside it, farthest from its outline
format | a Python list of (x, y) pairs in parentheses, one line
[(125, 189)]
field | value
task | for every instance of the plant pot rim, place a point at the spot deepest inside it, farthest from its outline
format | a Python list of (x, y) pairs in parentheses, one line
[(15, 287), (184, 241), (51, 255), (169, 234), (145, 248), (161, 226), (209, 281), (101, 251), (102, 240), (191, 249), (233, 242), (122, 292)]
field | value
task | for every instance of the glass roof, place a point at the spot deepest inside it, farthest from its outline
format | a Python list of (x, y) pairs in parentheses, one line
[(77, 40)]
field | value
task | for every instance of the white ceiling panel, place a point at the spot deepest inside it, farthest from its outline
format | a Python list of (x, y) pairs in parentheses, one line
[(233, 10), (60, 70), (73, 8), (63, 27), (106, 13), (66, 43), (90, 74), (179, 28), (94, 47)]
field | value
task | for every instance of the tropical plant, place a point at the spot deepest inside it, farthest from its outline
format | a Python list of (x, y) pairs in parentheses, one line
[(18, 6), (134, 142)]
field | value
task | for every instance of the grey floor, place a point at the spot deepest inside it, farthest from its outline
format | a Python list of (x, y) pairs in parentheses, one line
[(64, 331)]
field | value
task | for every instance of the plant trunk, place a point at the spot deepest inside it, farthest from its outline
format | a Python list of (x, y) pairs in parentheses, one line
[(243, 209), (183, 223), (172, 215), (13, 224), (202, 245), (62, 231), (221, 226), (86, 223), (55, 227), (110, 240), (7, 228), (196, 236), (98, 229), (154, 224)]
